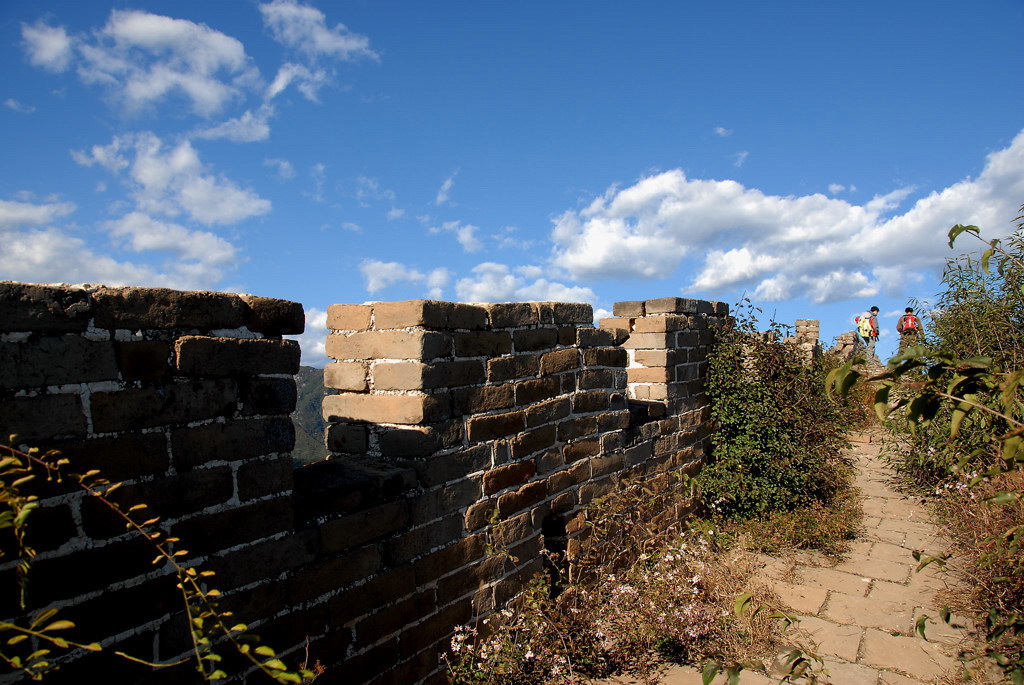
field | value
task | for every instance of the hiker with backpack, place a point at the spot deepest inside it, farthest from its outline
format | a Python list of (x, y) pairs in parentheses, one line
[(867, 329), (909, 328)]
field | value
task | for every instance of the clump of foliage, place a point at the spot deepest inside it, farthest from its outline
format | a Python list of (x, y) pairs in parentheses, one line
[(777, 438), (29, 645), (957, 406), (672, 597)]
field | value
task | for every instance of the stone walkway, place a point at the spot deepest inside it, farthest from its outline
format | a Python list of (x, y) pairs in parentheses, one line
[(860, 612)]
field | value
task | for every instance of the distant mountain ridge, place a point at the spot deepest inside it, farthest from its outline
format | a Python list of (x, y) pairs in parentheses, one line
[(308, 416)]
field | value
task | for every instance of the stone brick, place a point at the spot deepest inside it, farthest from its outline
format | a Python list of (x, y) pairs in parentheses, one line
[(599, 337), (507, 533), (532, 441), (132, 455), (493, 426), (267, 559), (350, 376), (428, 313), (647, 375), (534, 339), (652, 358), (163, 405), (418, 376), (502, 369), (161, 308), (447, 468), (629, 308), (210, 533), (650, 341), (660, 324), (349, 438), (567, 312), (43, 308), (671, 305), (422, 540), (419, 345), (482, 343), (537, 390), (560, 361), (439, 502), (602, 466), (44, 417), (513, 314), (402, 409), (503, 477), (348, 532), (567, 335), (479, 515), (327, 576), (262, 477), (273, 317), (548, 412), (577, 427), (203, 356), (591, 401), (601, 378), (232, 441), (606, 356), (143, 360), (408, 442), (267, 395), (349, 317), (616, 323), (56, 361), (476, 400), (580, 449)]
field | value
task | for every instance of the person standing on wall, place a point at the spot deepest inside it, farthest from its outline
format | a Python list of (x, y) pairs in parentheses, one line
[(909, 328), (867, 329)]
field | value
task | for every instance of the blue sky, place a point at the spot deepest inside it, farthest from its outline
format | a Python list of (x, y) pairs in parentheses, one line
[(808, 155)]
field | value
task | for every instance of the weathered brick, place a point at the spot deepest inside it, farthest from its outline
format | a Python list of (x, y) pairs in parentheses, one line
[(403, 409), (580, 449), (232, 441), (350, 376), (660, 324), (532, 441), (166, 404), (43, 417), (577, 427), (606, 356), (560, 361), (266, 559), (143, 360), (568, 312), (492, 426), (447, 468), (210, 533), (611, 463), (535, 339), (419, 541), (204, 356), (647, 375), (262, 477), (354, 530), (438, 502), (548, 412), (349, 317), (536, 390), (482, 343), (352, 438), (507, 533), (629, 308), (479, 515), (592, 379), (161, 308), (599, 337), (409, 442), (329, 575), (512, 314), (418, 376), (273, 317), (43, 308), (502, 369), (656, 357), (650, 341), (419, 345), (428, 313), (132, 455), (476, 400), (507, 476), (56, 360), (267, 395), (591, 401)]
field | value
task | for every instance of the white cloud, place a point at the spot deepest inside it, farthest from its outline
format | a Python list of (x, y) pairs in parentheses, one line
[(443, 192), (250, 127), (304, 29), (380, 275), (21, 214), (811, 246), (723, 132), (508, 238), (144, 58), (437, 281), (48, 47), (309, 81), (836, 188), (20, 107), (465, 234), (285, 169), (319, 175), (352, 226), (141, 233), (739, 158), (395, 213), (169, 181), (492, 282)]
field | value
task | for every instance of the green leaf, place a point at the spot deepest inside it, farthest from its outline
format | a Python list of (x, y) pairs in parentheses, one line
[(58, 625), (955, 232), (1003, 498), (882, 401), (263, 650), (710, 671), (275, 665), (742, 604)]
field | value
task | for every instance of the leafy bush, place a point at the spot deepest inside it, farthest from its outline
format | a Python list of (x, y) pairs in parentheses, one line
[(777, 434)]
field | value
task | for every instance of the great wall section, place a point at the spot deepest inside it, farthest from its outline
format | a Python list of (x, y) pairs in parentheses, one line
[(454, 430)]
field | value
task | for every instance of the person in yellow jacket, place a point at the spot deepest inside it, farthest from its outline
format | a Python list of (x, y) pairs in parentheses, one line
[(867, 329)]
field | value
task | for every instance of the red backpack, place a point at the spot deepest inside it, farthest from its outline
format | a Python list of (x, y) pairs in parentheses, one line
[(909, 323)]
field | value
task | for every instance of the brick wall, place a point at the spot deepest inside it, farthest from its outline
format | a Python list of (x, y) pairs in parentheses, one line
[(464, 441)]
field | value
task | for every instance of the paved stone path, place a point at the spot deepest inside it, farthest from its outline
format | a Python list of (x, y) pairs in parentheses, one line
[(861, 611)]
